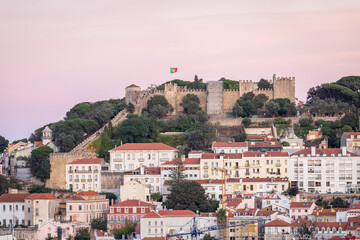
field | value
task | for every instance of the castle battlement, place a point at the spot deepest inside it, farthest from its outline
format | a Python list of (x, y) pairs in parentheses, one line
[(230, 90), (191, 90), (285, 79)]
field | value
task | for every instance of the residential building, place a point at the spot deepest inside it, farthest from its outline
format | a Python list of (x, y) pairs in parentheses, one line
[(229, 147), (325, 170), (208, 220), (101, 235), (135, 190), (212, 164), (130, 156), (266, 164), (267, 145), (326, 215), (82, 207), (163, 222), (12, 209), (84, 174), (151, 176), (351, 140), (131, 210), (213, 188), (314, 134), (40, 208), (301, 209), (278, 229), (191, 168), (277, 201)]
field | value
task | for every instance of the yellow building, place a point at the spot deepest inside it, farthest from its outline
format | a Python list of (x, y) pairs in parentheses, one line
[(211, 163)]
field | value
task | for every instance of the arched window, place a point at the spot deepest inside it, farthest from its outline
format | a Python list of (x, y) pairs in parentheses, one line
[(334, 230)]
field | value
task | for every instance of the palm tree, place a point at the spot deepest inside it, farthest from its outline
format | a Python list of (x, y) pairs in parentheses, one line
[(221, 219)]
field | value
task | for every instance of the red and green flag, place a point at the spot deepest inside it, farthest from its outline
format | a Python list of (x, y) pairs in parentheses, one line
[(173, 70)]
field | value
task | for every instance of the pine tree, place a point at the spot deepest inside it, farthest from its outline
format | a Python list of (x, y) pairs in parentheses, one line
[(177, 173)]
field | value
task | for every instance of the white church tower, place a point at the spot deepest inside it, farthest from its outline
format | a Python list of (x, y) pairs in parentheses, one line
[(46, 135)]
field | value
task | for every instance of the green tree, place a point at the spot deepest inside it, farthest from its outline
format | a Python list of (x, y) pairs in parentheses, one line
[(350, 119), (246, 122), (130, 108), (339, 203), (293, 191), (83, 233), (39, 162), (306, 122), (202, 137), (3, 143), (304, 232), (238, 111), (158, 106), (197, 81), (190, 103), (322, 203), (241, 137), (347, 128), (126, 230), (285, 144), (109, 195), (221, 219), (260, 100), (99, 224), (177, 173), (157, 197), (137, 129), (263, 84), (188, 195), (208, 236)]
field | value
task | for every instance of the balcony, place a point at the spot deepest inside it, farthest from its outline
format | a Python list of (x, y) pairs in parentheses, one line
[(118, 159), (164, 159), (247, 173), (278, 165), (141, 159), (89, 180), (76, 180), (205, 175), (206, 167), (95, 171), (71, 171), (83, 171), (83, 180), (236, 167), (247, 164)]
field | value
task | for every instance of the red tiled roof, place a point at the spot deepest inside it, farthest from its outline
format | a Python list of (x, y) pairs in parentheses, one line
[(247, 211), (87, 161), (170, 213), (277, 223), (265, 144), (299, 222), (188, 161), (87, 193), (38, 144), (147, 171), (278, 179), (265, 213), (132, 203), (41, 196), (102, 233), (77, 198), (143, 146), (348, 134), (209, 181), (17, 197), (208, 155), (272, 196), (234, 202), (331, 225), (301, 204), (328, 212), (208, 214), (327, 151), (267, 154), (229, 144)]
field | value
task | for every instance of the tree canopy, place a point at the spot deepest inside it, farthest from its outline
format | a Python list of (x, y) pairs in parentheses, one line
[(3, 143), (263, 84), (39, 162), (190, 103), (248, 104), (158, 106), (280, 107)]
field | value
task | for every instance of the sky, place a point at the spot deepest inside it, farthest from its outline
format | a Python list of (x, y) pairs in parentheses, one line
[(55, 54)]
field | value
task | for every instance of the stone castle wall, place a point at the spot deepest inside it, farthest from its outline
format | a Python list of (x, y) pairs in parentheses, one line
[(284, 88), (229, 99)]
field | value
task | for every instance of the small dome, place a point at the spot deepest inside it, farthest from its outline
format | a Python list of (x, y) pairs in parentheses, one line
[(47, 129)]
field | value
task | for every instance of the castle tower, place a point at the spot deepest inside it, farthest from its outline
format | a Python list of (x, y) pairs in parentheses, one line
[(284, 87), (132, 93), (46, 135), (214, 97)]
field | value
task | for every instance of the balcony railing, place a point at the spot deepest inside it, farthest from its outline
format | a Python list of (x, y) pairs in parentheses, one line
[(206, 167), (76, 180), (278, 165), (83, 180), (89, 180), (141, 159), (95, 171), (118, 159), (71, 171), (205, 175), (164, 159), (247, 165), (247, 173), (83, 171)]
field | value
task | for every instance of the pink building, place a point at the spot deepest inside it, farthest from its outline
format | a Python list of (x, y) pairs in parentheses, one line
[(301, 209), (131, 210)]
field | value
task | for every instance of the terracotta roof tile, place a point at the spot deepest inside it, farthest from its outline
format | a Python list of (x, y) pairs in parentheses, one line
[(277, 223), (170, 213), (267, 154), (87, 161), (143, 146), (41, 196), (301, 204), (87, 193), (147, 171), (327, 151), (208, 214), (188, 161), (17, 197), (229, 144), (132, 203), (265, 144), (299, 222), (208, 155), (348, 134)]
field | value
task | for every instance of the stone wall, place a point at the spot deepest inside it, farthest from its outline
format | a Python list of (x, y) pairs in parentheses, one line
[(214, 100), (284, 88), (111, 182), (229, 99)]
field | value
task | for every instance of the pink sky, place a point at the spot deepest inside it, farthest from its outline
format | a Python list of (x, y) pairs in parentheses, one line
[(54, 54)]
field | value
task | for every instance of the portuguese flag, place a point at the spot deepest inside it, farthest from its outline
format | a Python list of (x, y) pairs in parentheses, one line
[(173, 70)]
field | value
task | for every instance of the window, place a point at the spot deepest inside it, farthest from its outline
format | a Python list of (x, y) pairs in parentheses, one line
[(126, 210), (70, 207), (80, 207), (134, 209), (142, 210)]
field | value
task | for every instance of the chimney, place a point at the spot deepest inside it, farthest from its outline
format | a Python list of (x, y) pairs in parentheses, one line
[(183, 158), (112, 201), (313, 151), (343, 151)]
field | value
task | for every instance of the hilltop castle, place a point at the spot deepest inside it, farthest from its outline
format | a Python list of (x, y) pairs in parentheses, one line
[(215, 99)]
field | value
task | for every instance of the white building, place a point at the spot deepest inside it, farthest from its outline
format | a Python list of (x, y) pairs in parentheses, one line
[(84, 174), (191, 168), (229, 147), (40, 208), (278, 201), (130, 156), (163, 222), (150, 175), (325, 170), (135, 190), (12, 209)]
